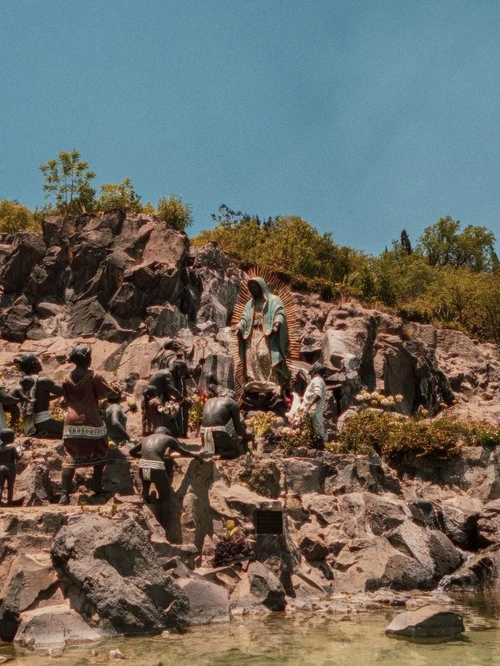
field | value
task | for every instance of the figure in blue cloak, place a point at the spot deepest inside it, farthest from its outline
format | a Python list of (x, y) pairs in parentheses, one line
[(263, 339)]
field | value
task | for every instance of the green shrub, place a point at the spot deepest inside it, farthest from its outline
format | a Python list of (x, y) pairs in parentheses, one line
[(441, 438), (484, 434), (366, 432), (121, 196), (370, 432), (15, 217), (175, 212)]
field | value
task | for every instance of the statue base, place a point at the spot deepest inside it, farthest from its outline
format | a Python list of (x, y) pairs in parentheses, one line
[(263, 396)]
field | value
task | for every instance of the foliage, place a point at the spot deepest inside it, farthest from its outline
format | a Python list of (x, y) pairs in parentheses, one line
[(68, 183), (441, 438), (287, 245), (461, 299), (370, 431), (195, 413), (233, 547), (231, 529), (484, 434), (366, 432), (175, 212), (443, 244), (119, 197), (262, 423), (15, 217), (397, 277), (300, 434)]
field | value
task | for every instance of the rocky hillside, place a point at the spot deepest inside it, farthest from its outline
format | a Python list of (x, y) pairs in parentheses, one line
[(129, 282), (352, 532)]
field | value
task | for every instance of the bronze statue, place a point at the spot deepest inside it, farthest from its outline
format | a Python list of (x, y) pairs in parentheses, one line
[(222, 429), (9, 455), (116, 419), (39, 391), (153, 450), (155, 413), (171, 358), (85, 437), (8, 403)]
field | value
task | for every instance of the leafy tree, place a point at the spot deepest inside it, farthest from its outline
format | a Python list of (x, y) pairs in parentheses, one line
[(119, 197), (175, 212), (405, 242), (463, 299), (67, 182), (288, 245), (397, 277), (16, 217), (444, 245)]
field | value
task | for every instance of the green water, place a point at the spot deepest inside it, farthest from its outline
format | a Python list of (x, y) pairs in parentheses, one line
[(302, 640)]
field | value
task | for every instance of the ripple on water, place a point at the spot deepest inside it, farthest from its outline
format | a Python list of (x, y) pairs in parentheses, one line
[(309, 641)]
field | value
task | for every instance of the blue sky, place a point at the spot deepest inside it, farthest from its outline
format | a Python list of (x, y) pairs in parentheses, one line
[(361, 117)]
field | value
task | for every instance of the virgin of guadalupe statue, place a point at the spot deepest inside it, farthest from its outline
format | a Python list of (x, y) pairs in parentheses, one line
[(263, 336), (263, 341)]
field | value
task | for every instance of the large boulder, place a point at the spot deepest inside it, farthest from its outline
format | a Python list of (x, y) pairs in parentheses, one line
[(259, 586), (479, 572), (371, 563), (427, 622), (29, 576), (302, 476), (208, 602), (351, 473), (54, 627), (113, 570), (27, 251)]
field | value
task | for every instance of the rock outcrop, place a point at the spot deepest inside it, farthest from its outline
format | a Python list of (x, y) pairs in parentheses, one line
[(131, 281)]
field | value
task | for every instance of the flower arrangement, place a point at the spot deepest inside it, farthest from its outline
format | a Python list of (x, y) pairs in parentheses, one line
[(233, 547), (170, 408), (262, 423), (195, 413), (376, 399), (298, 434)]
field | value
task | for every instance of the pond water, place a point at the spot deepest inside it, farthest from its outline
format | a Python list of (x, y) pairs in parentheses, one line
[(305, 640)]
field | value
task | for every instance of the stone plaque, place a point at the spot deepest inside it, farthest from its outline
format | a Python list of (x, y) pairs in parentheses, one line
[(269, 522)]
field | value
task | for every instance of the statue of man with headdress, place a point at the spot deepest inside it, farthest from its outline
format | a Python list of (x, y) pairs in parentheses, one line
[(263, 341)]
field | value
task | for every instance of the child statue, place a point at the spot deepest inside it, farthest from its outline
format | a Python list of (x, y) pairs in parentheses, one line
[(9, 455)]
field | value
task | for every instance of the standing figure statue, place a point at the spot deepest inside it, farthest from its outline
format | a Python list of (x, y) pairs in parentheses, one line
[(9, 455), (35, 393), (263, 341), (85, 438), (8, 403), (313, 402), (172, 358)]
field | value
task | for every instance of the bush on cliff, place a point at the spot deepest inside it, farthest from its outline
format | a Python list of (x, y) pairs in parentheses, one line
[(175, 212), (391, 435), (290, 246), (15, 217), (119, 197)]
